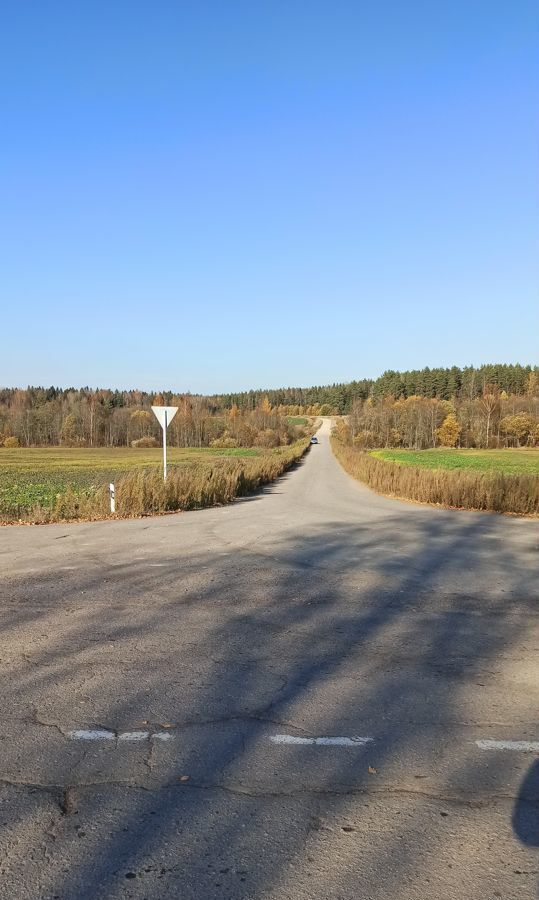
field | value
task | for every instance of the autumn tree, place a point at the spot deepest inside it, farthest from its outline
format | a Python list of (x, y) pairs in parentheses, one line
[(448, 433), (489, 403), (68, 433), (520, 427), (141, 421)]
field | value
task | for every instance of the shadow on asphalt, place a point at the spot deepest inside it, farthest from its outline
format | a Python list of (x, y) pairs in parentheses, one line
[(304, 646), (526, 811)]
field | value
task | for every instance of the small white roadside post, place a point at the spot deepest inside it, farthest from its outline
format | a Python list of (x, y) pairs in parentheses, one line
[(164, 415), (112, 498)]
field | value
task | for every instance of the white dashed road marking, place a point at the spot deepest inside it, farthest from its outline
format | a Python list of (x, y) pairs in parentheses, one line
[(321, 741), (91, 735), (526, 746), (83, 734), (102, 734)]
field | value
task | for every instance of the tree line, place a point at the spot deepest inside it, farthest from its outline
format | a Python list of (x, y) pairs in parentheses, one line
[(101, 418), (491, 419), (380, 408), (440, 383)]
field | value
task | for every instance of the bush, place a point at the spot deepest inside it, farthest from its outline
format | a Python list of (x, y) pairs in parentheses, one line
[(226, 441), (267, 437), (11, 441), (144, 442)]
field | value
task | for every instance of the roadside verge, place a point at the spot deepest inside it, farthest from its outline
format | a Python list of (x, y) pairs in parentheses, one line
[(455, 489), (143, 492)]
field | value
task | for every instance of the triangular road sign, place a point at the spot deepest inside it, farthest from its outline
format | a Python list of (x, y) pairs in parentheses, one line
[(160, 414)]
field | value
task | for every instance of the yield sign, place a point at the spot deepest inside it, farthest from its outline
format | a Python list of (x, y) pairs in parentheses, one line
[(162, 411)]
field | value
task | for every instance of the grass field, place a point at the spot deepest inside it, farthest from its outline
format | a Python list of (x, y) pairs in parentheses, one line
[(34, 477), (297, 420), (509, 462)]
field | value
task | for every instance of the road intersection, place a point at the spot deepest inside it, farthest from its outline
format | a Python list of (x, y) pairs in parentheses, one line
[(312, 693)]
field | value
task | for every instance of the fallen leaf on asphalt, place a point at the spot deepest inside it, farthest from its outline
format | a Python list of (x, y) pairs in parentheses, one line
[(184, 777), (373, 771), (167, 725)]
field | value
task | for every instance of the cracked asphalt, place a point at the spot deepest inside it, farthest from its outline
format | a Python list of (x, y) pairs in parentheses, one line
[(315, 608)]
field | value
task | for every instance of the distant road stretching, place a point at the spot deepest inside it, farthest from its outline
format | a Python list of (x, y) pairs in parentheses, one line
[(312, 693)]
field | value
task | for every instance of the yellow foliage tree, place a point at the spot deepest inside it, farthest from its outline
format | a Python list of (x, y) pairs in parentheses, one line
[(520, 426), (448, 433)]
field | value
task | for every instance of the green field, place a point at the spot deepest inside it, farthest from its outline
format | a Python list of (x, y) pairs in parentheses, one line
[(31, 477), (297, 420), (510, 462)]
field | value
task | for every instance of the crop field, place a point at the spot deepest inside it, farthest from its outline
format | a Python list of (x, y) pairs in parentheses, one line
[(508, 462), (34, 477)]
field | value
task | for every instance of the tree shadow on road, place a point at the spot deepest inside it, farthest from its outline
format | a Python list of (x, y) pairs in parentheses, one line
[(526, 811), (230, 649)]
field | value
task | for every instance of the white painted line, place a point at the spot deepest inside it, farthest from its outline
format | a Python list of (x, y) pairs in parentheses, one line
[(82, 734), (100, 734), (526, 746), (133, 736), (321, 741)]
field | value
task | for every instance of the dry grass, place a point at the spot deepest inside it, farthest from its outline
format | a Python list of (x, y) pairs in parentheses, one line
[(456, 488), (143, 492)]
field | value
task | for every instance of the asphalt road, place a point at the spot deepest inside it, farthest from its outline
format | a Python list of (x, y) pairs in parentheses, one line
[(163, 683)]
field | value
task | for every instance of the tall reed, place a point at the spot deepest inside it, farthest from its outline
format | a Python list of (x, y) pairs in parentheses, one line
[(192, 486), (454, 488)]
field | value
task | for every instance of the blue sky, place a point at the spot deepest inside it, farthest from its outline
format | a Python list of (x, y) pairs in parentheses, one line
[(214, 196)]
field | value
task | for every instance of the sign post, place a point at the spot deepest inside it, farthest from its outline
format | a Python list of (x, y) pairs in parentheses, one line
[(164, 415)]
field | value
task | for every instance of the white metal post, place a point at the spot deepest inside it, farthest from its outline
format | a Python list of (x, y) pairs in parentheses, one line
[(165, 448), (164, 415), (112, 498)]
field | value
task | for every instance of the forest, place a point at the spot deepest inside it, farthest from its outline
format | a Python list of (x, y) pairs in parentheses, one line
[(486, 406), (492, 419)]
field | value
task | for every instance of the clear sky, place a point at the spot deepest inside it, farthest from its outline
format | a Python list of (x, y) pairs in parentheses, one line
[(211, 195)]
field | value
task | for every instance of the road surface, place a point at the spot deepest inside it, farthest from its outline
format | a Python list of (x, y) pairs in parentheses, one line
[(313, 693)]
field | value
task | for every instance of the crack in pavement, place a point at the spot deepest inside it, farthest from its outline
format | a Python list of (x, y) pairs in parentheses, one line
[(66, 798)]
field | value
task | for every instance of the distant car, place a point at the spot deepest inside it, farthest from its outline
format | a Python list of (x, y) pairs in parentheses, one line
[(314, 440)]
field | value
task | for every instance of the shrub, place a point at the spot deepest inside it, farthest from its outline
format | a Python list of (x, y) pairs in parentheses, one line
[(266, 437), (226, 441), (11, 441), (144, 442)]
